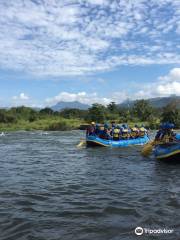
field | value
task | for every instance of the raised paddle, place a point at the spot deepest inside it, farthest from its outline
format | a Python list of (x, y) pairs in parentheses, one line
[(147, 149), (81, 144)]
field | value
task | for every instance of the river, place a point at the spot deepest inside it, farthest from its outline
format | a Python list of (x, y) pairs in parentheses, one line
[(51, 190)]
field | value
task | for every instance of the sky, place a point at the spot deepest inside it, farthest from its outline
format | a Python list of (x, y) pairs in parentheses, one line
[(88, 51)]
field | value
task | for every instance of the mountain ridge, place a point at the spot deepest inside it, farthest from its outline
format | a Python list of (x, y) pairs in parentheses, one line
[(74, 104), (157, 102)]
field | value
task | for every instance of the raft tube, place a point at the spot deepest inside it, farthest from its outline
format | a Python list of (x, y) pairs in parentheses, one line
[(168, 152), (96, 141), (178, 136)]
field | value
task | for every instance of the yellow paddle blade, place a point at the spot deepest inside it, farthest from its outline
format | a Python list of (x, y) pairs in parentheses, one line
[(147, 149), (81, 144)]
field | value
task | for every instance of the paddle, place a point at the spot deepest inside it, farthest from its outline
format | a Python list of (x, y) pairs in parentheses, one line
[(147, 149), (82, 143)]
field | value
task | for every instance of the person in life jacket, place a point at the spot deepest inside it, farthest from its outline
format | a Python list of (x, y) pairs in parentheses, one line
[(111, 128), (100, 130), (125, 134), (91, 129), (104, 132), (142, 131), (107, 131), (116, 133), (159, 133), (97, 129), (113, 124), (166, 133), (134, 132)]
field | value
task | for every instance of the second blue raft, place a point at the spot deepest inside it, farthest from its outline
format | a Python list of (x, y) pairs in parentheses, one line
[(178, 136), (96, 141), (168, 152)]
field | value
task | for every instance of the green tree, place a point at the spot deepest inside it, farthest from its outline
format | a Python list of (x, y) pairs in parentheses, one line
[(73, 113), (143, 110), (46, 111), (171, 114), (125, 114), (2, 116), (112, 107), (97, 113), (22, 112), (7, 117)]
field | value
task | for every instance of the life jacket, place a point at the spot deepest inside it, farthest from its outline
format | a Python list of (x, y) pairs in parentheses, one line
[(159, 135), (141, 134), (134, 132), (142, 131), (125, 134), (116, 133), (90, 130), (104, 134), (166, 138)]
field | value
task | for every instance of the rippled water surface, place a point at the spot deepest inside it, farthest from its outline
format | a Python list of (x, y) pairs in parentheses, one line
[(49, 189)]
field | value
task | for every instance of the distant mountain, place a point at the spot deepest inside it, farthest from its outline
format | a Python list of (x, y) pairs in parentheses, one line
[(164, 101), (158, 102), (62, 105)]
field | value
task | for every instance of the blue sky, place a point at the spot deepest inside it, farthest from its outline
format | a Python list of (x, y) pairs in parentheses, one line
[(89, 51)]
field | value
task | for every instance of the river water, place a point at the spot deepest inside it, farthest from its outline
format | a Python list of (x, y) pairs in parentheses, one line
[(51, 190)]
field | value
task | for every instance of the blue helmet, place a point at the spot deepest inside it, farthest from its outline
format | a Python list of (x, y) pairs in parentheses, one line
[(172, 125), (106, 125), (167, 125), (125, 126)]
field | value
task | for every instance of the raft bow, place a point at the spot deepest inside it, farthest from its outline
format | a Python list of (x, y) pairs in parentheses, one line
[(168, 152)]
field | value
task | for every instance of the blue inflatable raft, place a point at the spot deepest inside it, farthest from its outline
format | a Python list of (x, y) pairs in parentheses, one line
[(96, 141), (178, 136), (168, 152)]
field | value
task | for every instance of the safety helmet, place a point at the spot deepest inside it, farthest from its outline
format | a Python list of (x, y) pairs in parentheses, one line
[(142, 129), (106, 125), (167, 125), (125, 130), (125, 126)]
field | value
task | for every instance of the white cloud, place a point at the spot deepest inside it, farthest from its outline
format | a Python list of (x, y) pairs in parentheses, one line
[(22, 96), (174, 75), (82, 97), (76, 37), (87, 98), (168, 89), (164, 86)]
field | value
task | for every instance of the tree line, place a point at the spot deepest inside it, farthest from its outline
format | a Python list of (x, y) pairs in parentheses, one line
[(141, 111)]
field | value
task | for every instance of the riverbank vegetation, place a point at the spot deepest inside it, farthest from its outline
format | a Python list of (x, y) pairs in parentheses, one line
[(142, 112)]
